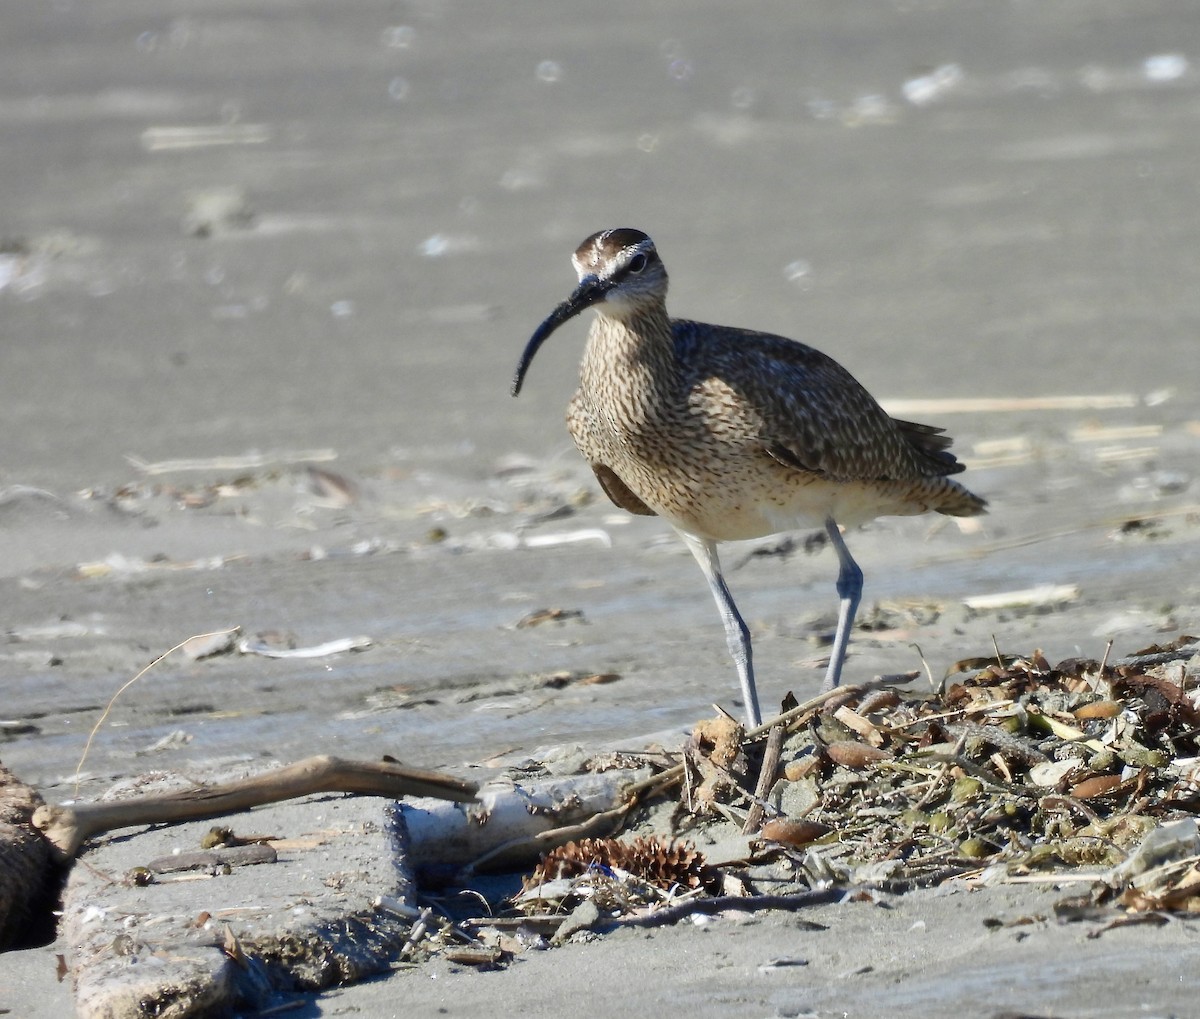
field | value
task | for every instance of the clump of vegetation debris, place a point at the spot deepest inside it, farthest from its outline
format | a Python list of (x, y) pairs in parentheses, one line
[(1082, 772)]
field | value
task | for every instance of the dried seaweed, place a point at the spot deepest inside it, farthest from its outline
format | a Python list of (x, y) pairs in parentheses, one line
[(1017, 770)]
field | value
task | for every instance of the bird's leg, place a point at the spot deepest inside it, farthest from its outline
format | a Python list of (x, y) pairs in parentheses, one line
[(849, 589), (737, 635)]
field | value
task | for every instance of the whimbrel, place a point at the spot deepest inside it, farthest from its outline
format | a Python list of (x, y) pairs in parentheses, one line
[(729, 434)]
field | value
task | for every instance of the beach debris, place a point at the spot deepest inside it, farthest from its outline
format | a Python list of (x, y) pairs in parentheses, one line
[(222, 836), (1015, 770), (214, 211), (596, 534), (335, 490), (174, 138), (67, 827), (786, 962), (480, 958), (58, 630), (1018, 770), (117, 565), (246, 487), (767, 772), (1096, 432), (490, 694), (1029, 767), (855, 755), (715, 757), (259, 646), (596, 868), (1043, 596), (597, 879), (1016, 404), (933, 85), (1163, 874), (539, 616), (244, 462), (795, 833), (515, 821), (213, 861), (173, 740), (208, 645), (227, 938)]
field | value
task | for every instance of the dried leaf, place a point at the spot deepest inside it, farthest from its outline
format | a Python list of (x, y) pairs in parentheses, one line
[(851, 719), (855, 755), (1097, 709), (1182, 641), (794, 832), (1097, 785), (233, 947)]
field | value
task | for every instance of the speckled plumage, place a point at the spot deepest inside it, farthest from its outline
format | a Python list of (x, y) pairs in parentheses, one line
[(730, 434)]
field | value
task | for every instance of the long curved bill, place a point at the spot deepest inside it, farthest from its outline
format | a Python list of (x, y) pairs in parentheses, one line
[(589, 291)]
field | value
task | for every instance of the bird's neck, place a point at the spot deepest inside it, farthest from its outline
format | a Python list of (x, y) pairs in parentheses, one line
[(633, 341), (630, 376)]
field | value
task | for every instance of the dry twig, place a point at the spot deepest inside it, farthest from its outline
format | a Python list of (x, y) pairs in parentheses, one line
[(67, 828)]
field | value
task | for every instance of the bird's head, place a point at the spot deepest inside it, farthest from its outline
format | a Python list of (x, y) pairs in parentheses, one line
[(619, 269)]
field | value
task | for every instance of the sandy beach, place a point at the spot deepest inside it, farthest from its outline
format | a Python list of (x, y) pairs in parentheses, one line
[(265, 272)]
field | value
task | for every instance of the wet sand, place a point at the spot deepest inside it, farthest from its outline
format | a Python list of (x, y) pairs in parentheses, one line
[(344, 250)]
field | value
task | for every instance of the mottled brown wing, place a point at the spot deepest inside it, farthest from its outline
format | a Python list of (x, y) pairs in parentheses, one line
[(810, 412), (619, 492)]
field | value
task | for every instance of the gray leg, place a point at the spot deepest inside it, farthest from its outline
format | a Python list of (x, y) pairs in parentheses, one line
[(737, 636), (849, 589)]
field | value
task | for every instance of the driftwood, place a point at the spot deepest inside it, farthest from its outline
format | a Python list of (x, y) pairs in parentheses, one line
[(227, 937), (67, 828), (25, 859), (514, 823), (1000, 404)]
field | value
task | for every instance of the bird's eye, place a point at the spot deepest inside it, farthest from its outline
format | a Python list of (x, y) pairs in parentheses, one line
[(637, 263)]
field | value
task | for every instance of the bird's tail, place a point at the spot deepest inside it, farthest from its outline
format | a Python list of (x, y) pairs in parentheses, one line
[(954, 500)]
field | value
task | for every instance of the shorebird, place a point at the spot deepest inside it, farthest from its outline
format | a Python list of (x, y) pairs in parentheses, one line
[(730, 434)]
